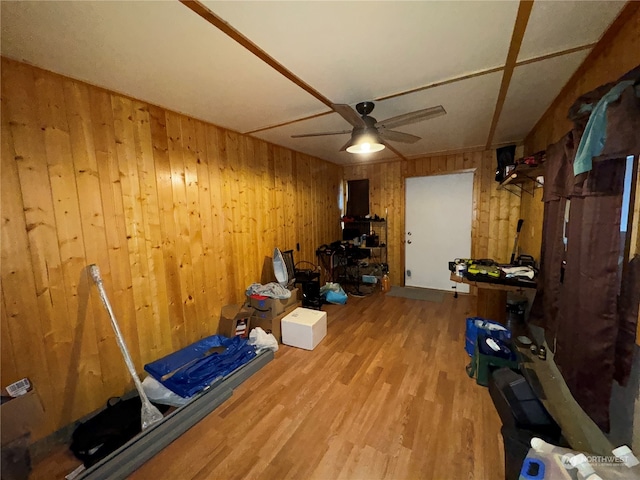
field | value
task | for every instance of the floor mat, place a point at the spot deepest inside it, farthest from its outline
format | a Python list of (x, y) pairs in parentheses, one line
[(417, 294)]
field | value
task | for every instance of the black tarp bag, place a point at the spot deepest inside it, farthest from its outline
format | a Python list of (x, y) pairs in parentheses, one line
[(108, 430)]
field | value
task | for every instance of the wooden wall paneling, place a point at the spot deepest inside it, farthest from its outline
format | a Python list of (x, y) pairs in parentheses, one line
[(256, 158), (261, 201), (484, 213), (8, 368), (442, 163), (178, 214), (396, 225), (247, 250), (80, 136), (232, 164), (451, 163), (83, 377), (288, 176), (532, 211), (468, 163), (22, 320), (226, 170), (305, 219), (196, 251), (210, 257), (153, 267), (221, 244), (126, 150), (279, 213), (24, 161), (168, 227), (318, 204), (182, 222), (116, 274)]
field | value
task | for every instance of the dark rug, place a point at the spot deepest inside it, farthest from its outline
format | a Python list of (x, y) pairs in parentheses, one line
[(414, 293)]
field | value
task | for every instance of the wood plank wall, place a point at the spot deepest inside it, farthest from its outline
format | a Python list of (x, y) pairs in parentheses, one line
[(177, 213), (614, 56), (495, 211)]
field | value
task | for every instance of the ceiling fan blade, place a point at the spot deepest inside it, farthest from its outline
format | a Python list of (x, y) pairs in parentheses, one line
[(398, 136), (345, 146), (349, 114), (320, 134), (412, 117)]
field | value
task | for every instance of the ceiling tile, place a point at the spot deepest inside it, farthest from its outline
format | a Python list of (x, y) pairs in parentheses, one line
[(352, 51), (532, 89), (561, 25), (157, 51)]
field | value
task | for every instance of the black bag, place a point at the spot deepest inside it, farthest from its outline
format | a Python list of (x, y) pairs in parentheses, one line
[(104, 433)]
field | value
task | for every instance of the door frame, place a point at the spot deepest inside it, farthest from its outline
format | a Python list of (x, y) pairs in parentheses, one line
[(474, 215)]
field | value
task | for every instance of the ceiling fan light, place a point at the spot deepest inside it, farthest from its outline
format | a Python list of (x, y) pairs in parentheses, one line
[(365, 143), (365, 147)]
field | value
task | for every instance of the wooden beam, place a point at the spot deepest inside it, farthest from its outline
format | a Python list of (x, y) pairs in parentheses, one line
[(393, 149), (224, 27), (524, 12), (555, 54), (440, 83)]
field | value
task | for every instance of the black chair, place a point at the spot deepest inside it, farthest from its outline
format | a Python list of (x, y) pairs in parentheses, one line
[(308, 279)]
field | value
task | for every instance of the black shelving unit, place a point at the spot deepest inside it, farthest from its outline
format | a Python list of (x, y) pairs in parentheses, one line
[(377, 249), (524, 176)]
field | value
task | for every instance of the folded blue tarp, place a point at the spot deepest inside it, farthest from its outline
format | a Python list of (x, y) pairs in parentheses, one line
[(191, 369)]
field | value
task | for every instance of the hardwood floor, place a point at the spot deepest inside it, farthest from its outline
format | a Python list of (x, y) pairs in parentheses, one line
[(384, 395)]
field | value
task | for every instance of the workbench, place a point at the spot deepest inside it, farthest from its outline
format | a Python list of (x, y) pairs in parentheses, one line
[(492, 296)]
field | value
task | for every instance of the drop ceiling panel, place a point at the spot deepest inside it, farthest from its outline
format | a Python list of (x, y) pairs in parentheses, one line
[(354, 51), (533, 87), (561, 25), (469, 105), (157, 51)]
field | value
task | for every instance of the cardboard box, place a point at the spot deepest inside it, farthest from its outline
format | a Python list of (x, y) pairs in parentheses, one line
[(269, 308), (304, 328), (271, 325), (20, 415), (235, 320)]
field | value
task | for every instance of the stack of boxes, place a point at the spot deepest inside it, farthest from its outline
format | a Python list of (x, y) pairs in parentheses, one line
[(285, 319), (257, 311)]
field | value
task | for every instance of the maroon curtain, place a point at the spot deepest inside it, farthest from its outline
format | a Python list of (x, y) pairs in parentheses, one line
[(592, 329)]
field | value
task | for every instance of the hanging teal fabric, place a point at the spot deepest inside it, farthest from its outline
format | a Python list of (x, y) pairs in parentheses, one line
[(594, 136)]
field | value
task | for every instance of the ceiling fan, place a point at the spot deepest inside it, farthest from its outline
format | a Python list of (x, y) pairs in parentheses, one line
[(369, 135)]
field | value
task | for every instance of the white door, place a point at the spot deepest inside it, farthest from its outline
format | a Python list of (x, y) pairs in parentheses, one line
[(438, 216)]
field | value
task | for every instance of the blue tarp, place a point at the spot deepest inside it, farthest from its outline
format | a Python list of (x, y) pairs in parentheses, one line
[(195, 368)]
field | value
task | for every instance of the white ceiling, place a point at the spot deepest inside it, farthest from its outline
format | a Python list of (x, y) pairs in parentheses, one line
[(164, 53)]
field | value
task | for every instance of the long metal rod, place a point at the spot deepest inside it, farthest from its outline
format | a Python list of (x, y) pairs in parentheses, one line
[(150, 415)]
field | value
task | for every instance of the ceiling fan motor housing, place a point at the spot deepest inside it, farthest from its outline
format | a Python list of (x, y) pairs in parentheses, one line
[(365, 108)]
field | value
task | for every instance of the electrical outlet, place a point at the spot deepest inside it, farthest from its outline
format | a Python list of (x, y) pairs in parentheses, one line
[(408, 273)]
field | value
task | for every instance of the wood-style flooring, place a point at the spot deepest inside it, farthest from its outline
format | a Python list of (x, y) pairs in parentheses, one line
[(384, 396)]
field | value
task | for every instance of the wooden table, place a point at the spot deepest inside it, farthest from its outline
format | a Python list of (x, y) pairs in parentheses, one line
[(492, 297)]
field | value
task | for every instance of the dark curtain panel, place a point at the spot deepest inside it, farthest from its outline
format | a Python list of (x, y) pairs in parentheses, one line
[(587, 325), (628, 315), (358, 198), (558, 183), (593, 329)]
